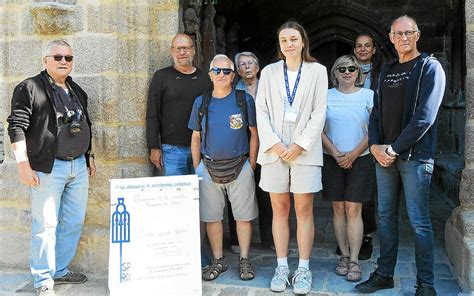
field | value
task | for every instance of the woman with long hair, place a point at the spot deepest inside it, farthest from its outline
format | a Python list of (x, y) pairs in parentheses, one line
[(291, 108)]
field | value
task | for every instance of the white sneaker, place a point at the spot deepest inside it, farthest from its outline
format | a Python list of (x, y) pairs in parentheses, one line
[(280, 279), (302, 280)]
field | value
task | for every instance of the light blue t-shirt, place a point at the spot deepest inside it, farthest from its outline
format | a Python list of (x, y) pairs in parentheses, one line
[(347, 118), (227, 135)]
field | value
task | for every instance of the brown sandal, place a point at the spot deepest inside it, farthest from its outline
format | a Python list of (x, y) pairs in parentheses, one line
[(354, 273), (217, 267), (246, 270), (342, 266)]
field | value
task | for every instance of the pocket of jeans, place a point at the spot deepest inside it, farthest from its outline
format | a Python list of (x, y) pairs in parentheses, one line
[(165, 148)]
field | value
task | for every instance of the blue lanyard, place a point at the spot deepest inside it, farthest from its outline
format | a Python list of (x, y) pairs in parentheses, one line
[(287, 84)]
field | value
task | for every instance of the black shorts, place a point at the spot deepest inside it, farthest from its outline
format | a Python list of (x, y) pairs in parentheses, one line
[(353, 185)]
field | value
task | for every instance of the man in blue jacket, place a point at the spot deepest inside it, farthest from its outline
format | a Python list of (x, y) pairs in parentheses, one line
[(402, 138)]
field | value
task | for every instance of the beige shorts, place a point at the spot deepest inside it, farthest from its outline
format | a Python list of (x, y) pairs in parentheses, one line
[(241, 194), (282, 176)]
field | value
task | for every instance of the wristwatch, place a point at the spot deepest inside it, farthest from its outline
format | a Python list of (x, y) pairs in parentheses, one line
[(390, 151), (92, 155)]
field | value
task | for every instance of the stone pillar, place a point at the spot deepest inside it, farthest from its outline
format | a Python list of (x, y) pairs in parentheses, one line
[(459, 231), (117, 46)]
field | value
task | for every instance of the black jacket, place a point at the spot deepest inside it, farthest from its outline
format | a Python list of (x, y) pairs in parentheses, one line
[(33, 118)]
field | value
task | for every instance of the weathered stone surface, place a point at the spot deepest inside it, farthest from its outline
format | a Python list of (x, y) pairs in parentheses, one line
[(470, 93), (98, 211), (120, 142), (30, 62), (8, 215), (99, 185), (460, 248), (93, 250), (160, 56), (11, 241), (469, 140), (167, 22), (12, 189), (52, 19), (133, 98), (104, 98), (466, 192), (8, 22), (123, 19), (95, 54), (133, 56)]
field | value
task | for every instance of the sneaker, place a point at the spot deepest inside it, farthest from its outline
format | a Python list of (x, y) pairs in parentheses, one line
[(374, 283), (45, 291), (302, 280), (366, 248), (424, 290), (71, 278), (280, 279)]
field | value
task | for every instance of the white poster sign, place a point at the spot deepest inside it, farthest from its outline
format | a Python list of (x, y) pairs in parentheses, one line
[(154, 236)]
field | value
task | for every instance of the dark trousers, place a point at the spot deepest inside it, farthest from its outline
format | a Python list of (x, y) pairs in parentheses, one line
[(368, 213), (265, 215)]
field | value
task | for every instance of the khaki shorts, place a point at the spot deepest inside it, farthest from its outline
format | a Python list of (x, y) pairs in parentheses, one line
[(241, 194), (282, 176)]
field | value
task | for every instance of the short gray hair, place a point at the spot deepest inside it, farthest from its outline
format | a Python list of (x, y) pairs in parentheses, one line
[(221, 57), (345, 60), (246, 54), (49, 46), (404, 18)]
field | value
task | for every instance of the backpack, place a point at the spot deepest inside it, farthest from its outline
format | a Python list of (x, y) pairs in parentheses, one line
[(206, 100)]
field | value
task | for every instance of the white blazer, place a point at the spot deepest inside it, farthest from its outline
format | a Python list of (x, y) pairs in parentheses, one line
[(311, 101)]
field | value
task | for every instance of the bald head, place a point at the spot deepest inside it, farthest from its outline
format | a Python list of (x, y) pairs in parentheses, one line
[(182, 38), (182, 51)]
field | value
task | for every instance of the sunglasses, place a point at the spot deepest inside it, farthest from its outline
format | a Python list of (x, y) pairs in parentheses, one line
[(351, 69), (217, 71), (59, 58)]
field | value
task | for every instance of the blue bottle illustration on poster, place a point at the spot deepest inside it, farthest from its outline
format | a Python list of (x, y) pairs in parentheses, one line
[(121, 231)]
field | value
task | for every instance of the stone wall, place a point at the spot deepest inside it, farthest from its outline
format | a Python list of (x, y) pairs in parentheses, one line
[(117, 45), (459, 233)]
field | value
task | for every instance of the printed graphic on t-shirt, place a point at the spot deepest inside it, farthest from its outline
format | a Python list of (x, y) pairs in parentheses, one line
[(394, 80), (235, 121)]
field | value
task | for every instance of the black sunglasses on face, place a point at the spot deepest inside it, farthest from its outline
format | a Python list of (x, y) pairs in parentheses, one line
[(351, 69), (59, 58), (217, 71)]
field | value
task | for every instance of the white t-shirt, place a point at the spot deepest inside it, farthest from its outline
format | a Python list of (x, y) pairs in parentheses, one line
[(347, 118)]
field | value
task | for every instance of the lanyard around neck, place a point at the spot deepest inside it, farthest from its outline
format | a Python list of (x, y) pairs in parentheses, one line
[(291, 97)]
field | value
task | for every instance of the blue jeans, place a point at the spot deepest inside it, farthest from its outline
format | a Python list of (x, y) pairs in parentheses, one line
[(177, 160), (58, 209), (414, 178)]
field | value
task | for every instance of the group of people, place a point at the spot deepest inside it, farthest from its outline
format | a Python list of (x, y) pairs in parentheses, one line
[(255, 146)]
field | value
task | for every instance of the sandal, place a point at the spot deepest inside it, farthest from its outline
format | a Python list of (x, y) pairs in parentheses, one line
[(342, 266), (217, 267), (246, 270), (354, 273)]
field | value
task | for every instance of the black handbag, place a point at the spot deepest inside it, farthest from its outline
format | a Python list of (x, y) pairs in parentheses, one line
[(224, 171)]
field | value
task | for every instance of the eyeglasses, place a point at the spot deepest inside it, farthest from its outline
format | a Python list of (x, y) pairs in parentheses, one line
[(58, 57), (248, 63), (351, 69), (178, 49), (217, 71), (408, 34)]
